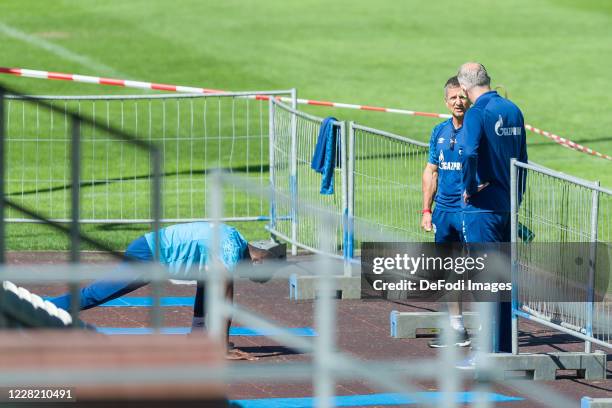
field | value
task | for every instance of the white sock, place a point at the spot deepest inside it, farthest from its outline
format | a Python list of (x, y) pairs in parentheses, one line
[(198, 322), (456, 322)]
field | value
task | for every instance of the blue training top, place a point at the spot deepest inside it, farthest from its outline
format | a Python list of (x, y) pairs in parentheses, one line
[(494, 132), (444, 153), (183, 246)]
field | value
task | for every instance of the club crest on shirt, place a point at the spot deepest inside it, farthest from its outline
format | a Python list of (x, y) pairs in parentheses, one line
[(506, 131)]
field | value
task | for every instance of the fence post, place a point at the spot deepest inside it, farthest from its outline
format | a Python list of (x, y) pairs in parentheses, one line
[(75, 233), (513, 243), (2, 168), (293, 175), (347, 171), (156, 210), (271, 142), (593, 259)]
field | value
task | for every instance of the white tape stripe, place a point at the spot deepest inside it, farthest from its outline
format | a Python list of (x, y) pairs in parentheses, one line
[(137, 84), (34, 74), (189, 89), (185, 89), (86, 79)]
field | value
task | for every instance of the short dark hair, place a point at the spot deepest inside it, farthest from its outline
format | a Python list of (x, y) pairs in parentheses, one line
[(452, 82)]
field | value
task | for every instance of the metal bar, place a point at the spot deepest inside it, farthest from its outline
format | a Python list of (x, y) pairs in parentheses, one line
[(3, 131), (164, 96), (390, 135), (293, 181), (60, 227), (75, 233), (156, 211), (300, 245), (271, 141), (215, 285), (593, 255), (571, 332), (300, 114), (323, 376), (351, 192), (562, 176), (139, 220), (345, 200), (513, 232)]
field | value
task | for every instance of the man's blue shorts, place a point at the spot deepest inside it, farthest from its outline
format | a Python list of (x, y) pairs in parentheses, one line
[(486, 227), (447, 226)]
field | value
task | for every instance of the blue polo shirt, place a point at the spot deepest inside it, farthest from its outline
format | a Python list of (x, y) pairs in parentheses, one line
[(444, 153), (184, 246), (494, 132)]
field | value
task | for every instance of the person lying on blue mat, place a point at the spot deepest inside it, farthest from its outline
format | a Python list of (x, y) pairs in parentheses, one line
[(182, 248)]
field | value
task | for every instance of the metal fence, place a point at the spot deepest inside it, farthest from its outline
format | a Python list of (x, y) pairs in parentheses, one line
[(292, 143), (195, 133), (385, 172), (377, 182), (557, 209), (329, 365)]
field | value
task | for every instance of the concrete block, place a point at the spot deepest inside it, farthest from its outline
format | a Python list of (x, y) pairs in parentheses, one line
[(543, 366), (405, 325), (588, 402), (302, 287)]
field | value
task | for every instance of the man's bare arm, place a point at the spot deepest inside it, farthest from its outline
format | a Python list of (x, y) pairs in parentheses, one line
[(429, 186)]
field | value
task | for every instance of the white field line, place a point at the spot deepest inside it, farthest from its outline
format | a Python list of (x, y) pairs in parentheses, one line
[(57, 50)]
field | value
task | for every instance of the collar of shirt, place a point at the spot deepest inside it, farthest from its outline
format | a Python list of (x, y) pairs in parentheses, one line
[(484, 98)]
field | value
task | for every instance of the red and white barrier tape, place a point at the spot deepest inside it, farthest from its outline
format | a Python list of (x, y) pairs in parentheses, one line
[(29, 73), (567, 143)]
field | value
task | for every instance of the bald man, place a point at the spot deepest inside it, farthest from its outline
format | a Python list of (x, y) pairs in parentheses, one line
[(494, 132)]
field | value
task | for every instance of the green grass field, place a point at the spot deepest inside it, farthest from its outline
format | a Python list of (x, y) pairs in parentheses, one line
[(553, 58)]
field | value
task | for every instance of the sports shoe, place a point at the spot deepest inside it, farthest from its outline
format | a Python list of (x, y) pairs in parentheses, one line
[(468, 364), (462, 340)]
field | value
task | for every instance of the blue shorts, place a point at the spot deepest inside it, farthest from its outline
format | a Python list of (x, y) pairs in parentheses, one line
[(486, 227), (447, 226)]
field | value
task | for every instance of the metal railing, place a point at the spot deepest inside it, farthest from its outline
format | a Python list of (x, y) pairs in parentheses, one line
[(293, 138), (560, 210), (194, 134), (385, 172), (73, 170), (329, 364)]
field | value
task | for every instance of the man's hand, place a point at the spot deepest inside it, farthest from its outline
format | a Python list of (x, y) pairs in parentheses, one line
[(426, 221), (481, 187)]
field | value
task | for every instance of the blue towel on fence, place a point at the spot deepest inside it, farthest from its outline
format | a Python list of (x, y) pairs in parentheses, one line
[(326, 153)]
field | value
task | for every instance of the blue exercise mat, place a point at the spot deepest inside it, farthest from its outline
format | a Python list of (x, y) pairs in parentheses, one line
[(234, 331), (372, 399)]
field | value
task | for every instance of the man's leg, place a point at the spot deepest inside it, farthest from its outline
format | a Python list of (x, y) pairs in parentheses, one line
[(493, 227), (447, 229), (199, 311), (199, 307), (102, 291)]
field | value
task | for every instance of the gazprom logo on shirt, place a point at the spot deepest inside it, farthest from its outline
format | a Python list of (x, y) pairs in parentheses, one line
[(450, 165), (447, 165), (506, 131)]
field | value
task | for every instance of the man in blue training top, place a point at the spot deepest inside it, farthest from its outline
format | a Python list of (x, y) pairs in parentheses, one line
[(494, 132), (442, 177), (182, 248)]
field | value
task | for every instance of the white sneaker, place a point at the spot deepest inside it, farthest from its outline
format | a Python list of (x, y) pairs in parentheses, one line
[(468, 364)]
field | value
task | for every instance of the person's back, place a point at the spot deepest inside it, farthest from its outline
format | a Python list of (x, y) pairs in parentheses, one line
[(502, 137), (183, 246)]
